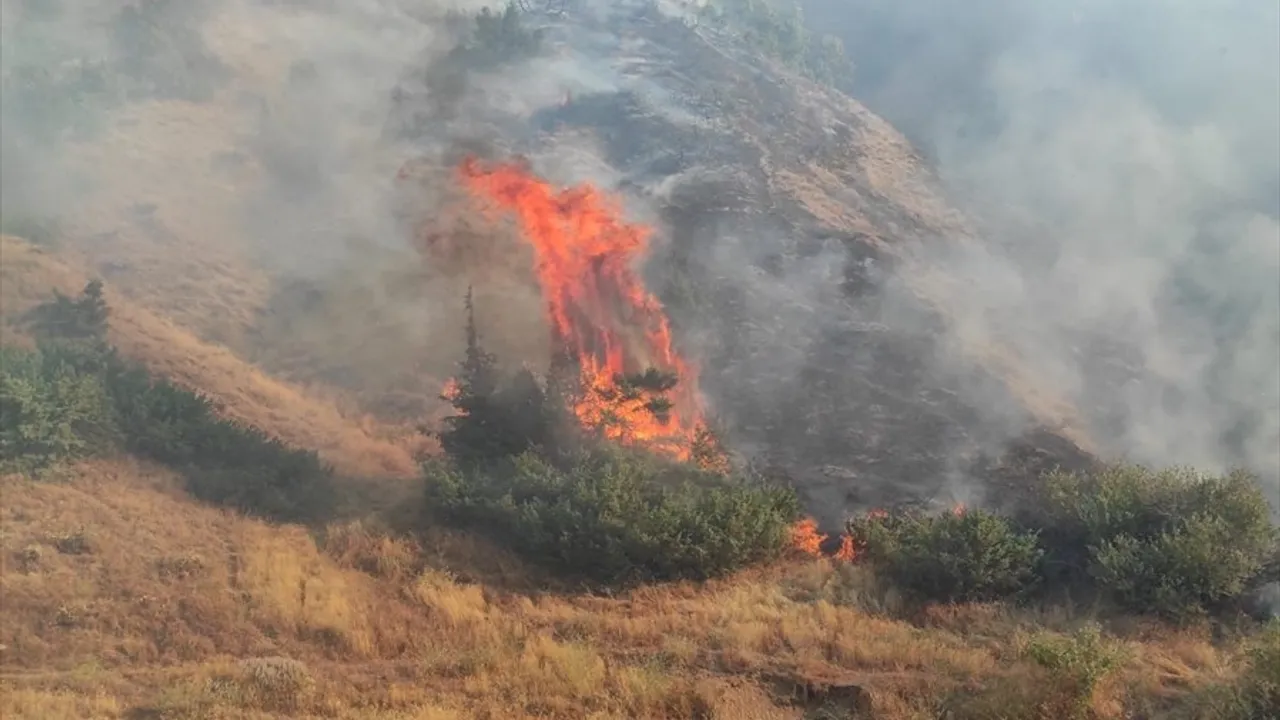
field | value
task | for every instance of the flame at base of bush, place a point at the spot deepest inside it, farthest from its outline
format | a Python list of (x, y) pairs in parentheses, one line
[(807, 539)]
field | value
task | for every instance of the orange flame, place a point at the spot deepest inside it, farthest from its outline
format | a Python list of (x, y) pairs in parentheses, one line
[(599, 310), (451, 389), (847, 552), (806, 538)]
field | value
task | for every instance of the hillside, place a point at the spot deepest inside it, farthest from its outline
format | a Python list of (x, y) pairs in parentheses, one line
[(123, 598), (776, 319), (356, 444)]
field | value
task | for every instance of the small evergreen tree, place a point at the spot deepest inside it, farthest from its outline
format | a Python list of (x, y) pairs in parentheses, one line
[(82, 320), (471, 434), (494, 419)]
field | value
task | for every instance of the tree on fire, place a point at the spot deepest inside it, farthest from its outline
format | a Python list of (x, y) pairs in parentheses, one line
[(502, 417)]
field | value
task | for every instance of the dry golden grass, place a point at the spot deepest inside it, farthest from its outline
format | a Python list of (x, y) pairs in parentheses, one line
[(122, 595)]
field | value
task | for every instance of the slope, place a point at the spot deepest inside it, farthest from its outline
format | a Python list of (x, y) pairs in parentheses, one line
[(122, 598), (305, 417)]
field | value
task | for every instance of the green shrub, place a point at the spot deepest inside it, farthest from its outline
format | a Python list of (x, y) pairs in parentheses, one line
[(49, 412), (1174, 542), (615, 517), (494, 419), (223, 461), (1078, 662), (76, 397), (957, 556)]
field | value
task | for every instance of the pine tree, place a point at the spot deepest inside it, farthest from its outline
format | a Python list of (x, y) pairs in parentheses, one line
[(81, 320), (527, 422), (564, 383), (472, 435)]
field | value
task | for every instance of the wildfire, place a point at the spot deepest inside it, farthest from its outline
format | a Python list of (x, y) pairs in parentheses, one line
[(806, 538), (598, 307), (450, 390)]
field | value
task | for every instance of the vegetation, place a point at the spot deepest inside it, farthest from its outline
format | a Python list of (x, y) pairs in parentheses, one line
[(55, 100), (520, 469), (40, 231), (1173, 543), (48, 412), (160, 54), (957, 556), (1078, 662), (218, 586), (781, 34), (497, 39), (616, 518), (75, 397), (496, 417)]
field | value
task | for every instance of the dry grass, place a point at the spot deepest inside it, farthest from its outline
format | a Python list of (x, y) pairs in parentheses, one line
[(147, 607)]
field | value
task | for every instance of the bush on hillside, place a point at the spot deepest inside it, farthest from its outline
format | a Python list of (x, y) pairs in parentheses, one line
[(223, 461), (617, 518), (75, 397), (951, 557), (1174, 542), (66, 320), (49, 412), (1078, 663), (38, 230)]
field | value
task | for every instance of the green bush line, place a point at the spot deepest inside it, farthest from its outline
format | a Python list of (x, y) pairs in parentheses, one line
[(521, 469), (1173, 543), (75, 397), (616, 518)]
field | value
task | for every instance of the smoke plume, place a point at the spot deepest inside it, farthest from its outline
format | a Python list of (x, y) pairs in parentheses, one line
[(1124, 160)]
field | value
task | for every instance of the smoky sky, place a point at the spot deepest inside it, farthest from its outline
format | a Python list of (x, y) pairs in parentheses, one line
[(1123, 162)]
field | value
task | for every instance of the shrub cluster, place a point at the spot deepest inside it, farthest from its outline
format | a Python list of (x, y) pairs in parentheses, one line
[(618, 518), (519, 468), (74, 397), (957, 556), (1078, 662), (1173, 542), (49, 412)]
